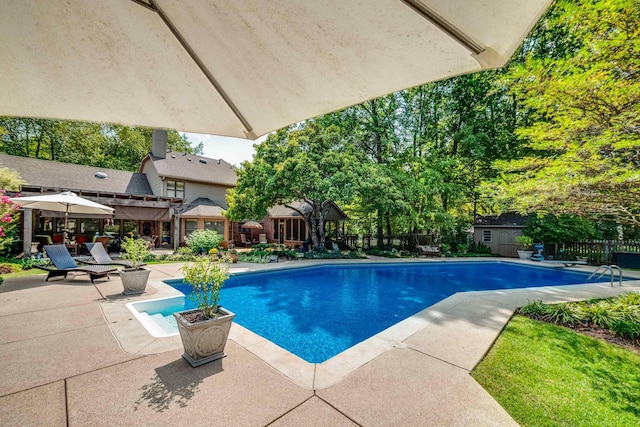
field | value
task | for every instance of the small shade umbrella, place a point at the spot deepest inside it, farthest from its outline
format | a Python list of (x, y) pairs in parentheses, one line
[(67, 202), (252, 225)]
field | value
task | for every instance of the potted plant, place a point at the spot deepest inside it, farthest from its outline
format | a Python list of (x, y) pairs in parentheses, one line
[(134, 278), (233, 255), (205, 329), (525, 245)]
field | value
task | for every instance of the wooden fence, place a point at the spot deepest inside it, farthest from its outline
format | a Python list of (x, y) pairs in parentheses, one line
[(601, 251)]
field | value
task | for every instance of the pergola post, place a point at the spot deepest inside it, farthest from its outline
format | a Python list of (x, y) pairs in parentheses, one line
[(27, 231)]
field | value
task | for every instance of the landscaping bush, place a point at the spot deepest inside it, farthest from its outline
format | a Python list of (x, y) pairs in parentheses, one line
[(535, 310), (626, 328), (258, 257), (620, 314), (563, 313), (600, 314), (202, 241), (330, 255), (479, 248)]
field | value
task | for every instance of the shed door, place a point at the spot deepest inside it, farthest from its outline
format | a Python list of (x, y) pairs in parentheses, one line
[(507, 244)]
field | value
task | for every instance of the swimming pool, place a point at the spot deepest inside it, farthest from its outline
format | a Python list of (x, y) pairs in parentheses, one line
[(317, 312)]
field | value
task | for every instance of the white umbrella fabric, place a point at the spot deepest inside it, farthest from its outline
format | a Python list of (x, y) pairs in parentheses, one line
[(240, 67), (67, 202)]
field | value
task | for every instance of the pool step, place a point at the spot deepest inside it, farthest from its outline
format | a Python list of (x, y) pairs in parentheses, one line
[(157, 324)]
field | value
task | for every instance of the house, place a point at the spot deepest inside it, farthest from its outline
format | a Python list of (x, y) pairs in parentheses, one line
[(171, 195), (286, 225), (499, 232), (201, 183)]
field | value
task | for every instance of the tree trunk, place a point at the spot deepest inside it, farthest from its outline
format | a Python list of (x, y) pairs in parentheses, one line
[(379, 230)]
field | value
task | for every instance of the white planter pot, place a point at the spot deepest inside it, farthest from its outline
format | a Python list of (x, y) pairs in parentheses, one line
[(204, 341), (525, 254), (134, 282)]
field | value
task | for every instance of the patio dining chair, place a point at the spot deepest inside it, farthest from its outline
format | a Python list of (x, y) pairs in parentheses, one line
[(61, 263), (244, 241)]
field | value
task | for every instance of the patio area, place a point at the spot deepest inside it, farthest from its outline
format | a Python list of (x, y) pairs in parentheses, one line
[(72, 354)]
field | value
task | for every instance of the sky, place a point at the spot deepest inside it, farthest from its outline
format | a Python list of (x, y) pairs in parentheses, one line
[(231, 150)]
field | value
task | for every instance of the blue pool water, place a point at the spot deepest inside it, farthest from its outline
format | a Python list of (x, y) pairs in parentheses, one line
[(318, 312)]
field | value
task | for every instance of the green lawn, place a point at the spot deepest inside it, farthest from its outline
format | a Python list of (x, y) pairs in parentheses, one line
[(545, 375)]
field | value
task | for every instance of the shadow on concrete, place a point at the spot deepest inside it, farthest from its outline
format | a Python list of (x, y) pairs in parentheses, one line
[(175, 384)]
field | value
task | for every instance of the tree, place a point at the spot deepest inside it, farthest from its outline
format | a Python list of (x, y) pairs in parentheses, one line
[(559, 228), (584, 130), (95, 144), (308, 163), (10, 179)]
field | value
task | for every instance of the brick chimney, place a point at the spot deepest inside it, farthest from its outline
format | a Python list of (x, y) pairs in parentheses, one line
[(159, 143)]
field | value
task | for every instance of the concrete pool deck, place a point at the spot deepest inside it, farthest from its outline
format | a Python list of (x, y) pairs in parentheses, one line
[(72, 354)]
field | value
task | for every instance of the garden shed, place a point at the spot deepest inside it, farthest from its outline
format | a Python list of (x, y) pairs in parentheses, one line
[(498, 232)]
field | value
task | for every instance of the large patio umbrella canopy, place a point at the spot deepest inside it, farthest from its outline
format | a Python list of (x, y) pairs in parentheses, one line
[(240, 67), (67, 202)]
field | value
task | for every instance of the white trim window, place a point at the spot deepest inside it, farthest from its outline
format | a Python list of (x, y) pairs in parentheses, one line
[(486, 236), (175, 189)]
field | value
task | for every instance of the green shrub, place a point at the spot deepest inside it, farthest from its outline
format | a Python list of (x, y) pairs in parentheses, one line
[(184, 250), (524, 242), (535, 310), (626, 328), (600, 314), (562, 314), (258, 257), (629, 298), (479, 248), (202, 241)]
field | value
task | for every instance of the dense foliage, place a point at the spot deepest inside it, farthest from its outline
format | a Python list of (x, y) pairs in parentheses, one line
[(8, 212), (84, 143), (202, 241), (580, 84)]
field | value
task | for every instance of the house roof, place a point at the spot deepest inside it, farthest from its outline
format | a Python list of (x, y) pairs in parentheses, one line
[(67, 176), (506, 219), (191, 167), (282, 211), (203, 207)]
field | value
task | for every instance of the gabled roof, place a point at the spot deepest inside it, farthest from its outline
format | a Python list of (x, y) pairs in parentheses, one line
[(506, 219), (203, 207), (191, 167), (67, 176), (282, 211)]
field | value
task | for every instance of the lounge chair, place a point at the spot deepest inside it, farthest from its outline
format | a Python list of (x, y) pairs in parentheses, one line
[(426, 250), (100, 257), (62, 263), (244, 241), (104, 240), (263, 238)]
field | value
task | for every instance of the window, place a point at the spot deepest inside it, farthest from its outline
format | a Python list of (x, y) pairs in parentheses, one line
[(130, 228), (111, 227), (190, 225), (215, 225), (486, 236), (175, 189), (89, 225)]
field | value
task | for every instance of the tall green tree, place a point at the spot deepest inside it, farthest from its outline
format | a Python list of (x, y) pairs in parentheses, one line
[(307, 163), (583, 132), (85, 143)]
